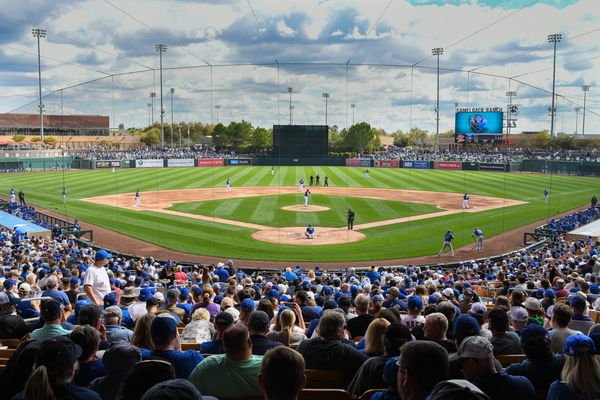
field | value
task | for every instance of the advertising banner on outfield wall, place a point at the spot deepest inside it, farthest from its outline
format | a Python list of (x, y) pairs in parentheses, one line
[(108, 164), (454, 165), (185, 162), (492, 167), (387, 163), (470, 166), (210, 162), (416, 164), (149, 163), (352, 162), (241, 161)]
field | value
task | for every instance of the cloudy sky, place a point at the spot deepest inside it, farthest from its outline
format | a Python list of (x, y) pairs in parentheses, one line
[(99, 57)]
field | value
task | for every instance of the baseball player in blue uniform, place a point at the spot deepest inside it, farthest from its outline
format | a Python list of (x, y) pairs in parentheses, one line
[(310, 232), (478, 234), (448, 238), (138, 201), (465, 201), (546, 195), (228, 185), (272, 170), (301, 184), (306, 197), (367, 173)]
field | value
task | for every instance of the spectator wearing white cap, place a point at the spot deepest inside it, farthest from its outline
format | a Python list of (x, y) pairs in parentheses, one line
[(535, 311), (477, 363), (518, 318)]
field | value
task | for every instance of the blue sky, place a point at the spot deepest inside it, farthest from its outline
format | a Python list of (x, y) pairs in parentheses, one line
[(243, 55)]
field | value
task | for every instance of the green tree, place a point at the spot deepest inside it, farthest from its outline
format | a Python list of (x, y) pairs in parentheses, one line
[(18, 138), (543, 139), (401, 139), (361, 138), (50, 140), (262, 140), (35, 139), (420, 138), (239, 134), (151, 137), (220, 136)]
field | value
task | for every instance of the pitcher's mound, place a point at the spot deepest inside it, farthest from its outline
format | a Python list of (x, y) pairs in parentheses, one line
[(295, 235), (300, 207)]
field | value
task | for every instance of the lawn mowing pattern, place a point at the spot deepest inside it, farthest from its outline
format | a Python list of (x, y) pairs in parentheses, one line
[(393, 241), (266, 210)]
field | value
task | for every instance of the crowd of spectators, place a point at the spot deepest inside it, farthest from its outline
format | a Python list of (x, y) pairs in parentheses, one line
[(113, 328), (148, 153)]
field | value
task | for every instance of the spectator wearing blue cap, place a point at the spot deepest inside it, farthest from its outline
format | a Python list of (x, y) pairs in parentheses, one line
[(171, 305), (414, 318), (11, 326), (96, 283), (137, 309), (580, 378), (308, 312), (167, 345), (393, 299), (579, 306), (183, 302), (541, 366), (73, 292)]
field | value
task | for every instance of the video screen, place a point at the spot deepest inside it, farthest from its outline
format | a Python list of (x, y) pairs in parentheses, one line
[(479, 127)]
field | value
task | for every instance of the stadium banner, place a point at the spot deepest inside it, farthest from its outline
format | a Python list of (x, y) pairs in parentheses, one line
[(210, 162), (416, 164), (366, 163), (470, 166), (185, 162), (387, 163), (453, 165), (492, 167), (239, 161), (352, 162), (149, 163), (108, 164)]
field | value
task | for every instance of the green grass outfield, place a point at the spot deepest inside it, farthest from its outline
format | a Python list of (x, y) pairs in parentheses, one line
[(393, 241)]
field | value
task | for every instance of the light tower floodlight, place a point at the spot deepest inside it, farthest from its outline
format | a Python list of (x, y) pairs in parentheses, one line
[(40, 33), (161, 48), (553, 38), (353, 106), (437, 51), (585, 89), (172, 92), (290, 92), (326, 96)]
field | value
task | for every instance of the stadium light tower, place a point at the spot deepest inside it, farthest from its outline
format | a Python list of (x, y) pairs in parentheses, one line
[(161, 48), (576, 109), (152, 97), (326, 95), (149, 114), (218, 107), (292, 114), (40, 33), (553, 38), (438, 51), (585, 89), (172, 91), (290, 92), (353, 106)]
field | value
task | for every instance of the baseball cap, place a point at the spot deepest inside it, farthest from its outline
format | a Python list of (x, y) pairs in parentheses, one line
[(533, 304), (9, 283), (163, 327), (74, 281), (109, 300), (414, 303), (326, 291), (158, 296), (258, 321), (534, 331), (518, 314), (550, 293), (58, 353), (456, 389), (475, 347), (579, 345), (433, 299), (8, 298), (223, 319), (330, 304), (478, 309), (465, 325), (129, 292), (577, 302), (24, 287), (184, 293), (145, 294), (448, 292), (102, 254), (378, 297), (247, 305), (180, 389)]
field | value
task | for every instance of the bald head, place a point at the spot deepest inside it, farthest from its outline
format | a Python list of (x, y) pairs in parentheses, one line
[(237, 343)]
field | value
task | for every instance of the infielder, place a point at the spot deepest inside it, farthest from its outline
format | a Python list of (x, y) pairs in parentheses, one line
[(367, 173), (478, 234), (12, 195), (546, 195), (448, 238), (326, 181), (228, 185), (465, 201), (301, 184), (310, 232), (306, 197), (64, 195), (138, 201), (272, 170)]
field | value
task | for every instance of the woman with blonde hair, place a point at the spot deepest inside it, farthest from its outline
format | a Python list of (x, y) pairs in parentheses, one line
[(374, 337), (200, 330), (286, 331), (580, 373), (141, 334)]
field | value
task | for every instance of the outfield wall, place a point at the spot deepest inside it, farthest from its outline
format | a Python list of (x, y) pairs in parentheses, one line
[(581, 168)]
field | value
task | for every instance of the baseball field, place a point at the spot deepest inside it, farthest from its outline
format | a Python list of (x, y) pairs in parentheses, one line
[(400, 213)]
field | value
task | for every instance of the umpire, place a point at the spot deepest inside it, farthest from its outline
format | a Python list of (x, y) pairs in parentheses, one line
[(351, 216)]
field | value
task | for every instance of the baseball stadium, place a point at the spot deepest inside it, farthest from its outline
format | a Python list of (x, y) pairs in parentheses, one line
[(299, 200)]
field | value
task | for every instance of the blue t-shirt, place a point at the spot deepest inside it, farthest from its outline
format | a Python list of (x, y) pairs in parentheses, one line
[(373, 276), (501, 386), (222, 274), (215, 346), (26, 310), (184, 362), (187, 307), (290, 276), (88, 371), (541, 374), (57, 295), (560, 391), (448, 237)]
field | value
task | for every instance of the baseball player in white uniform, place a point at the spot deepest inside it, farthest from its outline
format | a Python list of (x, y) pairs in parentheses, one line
[(306, 197), (138, 201), (228, 185), (301, 184), (465, 201), (12, 195), (478, 234), (546, 194)]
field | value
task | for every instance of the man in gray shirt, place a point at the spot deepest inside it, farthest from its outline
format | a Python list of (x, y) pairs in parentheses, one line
[(504, 342), (560, 332)]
